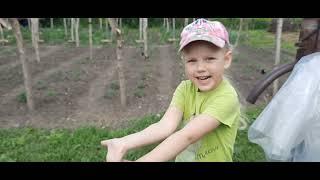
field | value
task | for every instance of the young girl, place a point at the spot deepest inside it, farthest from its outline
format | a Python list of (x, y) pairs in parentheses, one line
[(206, 104)]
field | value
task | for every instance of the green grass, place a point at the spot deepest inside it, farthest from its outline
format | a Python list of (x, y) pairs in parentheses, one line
[(83, 144), (244, 150), (264, 39)]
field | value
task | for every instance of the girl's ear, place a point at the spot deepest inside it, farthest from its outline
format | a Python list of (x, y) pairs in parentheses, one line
[(227, 59)]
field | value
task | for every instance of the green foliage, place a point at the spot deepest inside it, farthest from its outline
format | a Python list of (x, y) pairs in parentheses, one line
[(51, 93), (41, 85), (115, 85), (139, 93), (22, 97), (110, 93), (112, 90), (83, 144)]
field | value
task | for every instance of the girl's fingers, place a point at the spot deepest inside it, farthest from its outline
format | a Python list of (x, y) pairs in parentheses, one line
[(104, 143)]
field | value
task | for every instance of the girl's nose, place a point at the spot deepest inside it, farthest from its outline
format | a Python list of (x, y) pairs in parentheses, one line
[(200, 67)]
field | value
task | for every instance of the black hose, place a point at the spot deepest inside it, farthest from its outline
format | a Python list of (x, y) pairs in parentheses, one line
[(264, 83)]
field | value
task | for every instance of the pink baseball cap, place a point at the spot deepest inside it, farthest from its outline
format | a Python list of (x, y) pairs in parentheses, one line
[(202, 29)]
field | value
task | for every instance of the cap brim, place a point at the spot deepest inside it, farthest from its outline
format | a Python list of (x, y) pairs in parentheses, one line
[(214, 40)]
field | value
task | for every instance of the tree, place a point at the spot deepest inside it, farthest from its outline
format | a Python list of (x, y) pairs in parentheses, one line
[(90, 38), (35, 36), (122, 83), (277, 55), (25, 68)]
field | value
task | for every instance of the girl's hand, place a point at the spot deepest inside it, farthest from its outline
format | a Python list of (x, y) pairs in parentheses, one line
[(116, 149)]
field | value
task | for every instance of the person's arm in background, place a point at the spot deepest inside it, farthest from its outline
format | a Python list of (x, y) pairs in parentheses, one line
[(180, 140), (156, 132)]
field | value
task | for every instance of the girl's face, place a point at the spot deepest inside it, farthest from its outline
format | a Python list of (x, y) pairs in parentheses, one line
[(205, 64)]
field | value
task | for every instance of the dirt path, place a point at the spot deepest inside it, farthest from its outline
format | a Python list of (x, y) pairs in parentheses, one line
[(167, 75), (90, 106)]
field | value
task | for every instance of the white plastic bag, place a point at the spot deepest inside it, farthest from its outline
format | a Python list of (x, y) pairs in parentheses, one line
[(288, 129)]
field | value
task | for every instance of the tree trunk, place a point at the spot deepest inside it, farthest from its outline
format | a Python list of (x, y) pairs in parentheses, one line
[(77, 32), (65, 28), (120, 23), (90, 37), (25, 68), (145, 37), (186, 21), (278, 48), (51, 23), (122, 83), (239, 33), (193, 19), (35, 36)]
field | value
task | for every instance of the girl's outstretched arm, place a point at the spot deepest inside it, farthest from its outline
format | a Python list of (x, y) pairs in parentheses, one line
[(156, 132), (177, 142)]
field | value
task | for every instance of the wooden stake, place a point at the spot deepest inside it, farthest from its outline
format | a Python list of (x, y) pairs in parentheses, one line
[(65, 28), (100, 22), (145, 37), (77, 32), (25, 68), (278, 51), (72, 29), (35, 36), (51, 23), (122, 83), (90, 38)]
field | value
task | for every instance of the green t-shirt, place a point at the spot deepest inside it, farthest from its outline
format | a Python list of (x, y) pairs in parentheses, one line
[(222, 103)]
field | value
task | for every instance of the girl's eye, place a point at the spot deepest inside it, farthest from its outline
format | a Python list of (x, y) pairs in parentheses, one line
[(191, 60), (211, 59)]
